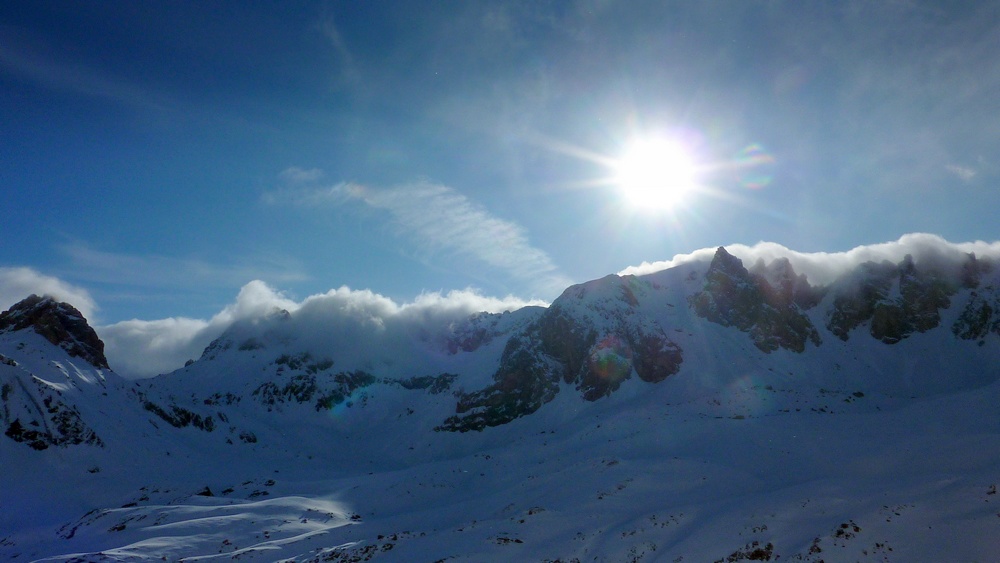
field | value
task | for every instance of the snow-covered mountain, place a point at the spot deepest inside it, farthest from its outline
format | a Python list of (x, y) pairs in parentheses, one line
[(711, 411)]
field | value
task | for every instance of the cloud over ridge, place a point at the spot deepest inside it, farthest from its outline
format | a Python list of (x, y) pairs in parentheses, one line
[(144, 348), (139, 348), (18, 282), (824, 267)]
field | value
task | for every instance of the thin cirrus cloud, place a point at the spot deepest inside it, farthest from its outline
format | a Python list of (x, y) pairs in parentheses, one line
[(47, 69), (294, 174), (966, 173), (165, 271), (439, 219)]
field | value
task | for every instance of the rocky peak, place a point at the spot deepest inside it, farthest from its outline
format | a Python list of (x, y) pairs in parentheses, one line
[(784, 286), (594, 336), (730, 295), (771, 314), (59, 323), (973, 269), (727, 265), (896, 300)]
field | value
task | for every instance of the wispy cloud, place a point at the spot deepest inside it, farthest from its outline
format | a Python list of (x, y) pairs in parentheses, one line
[(165, 271), (18, 283), (439, 219), (20, 57), (963, 172), (348, 74), (295, 175)]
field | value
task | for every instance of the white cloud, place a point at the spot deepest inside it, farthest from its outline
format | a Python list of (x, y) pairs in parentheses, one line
[(439, 219), (359, 325), (466, 302), (824, 267), (444, 218), (138, 348), (362, 318), (294, 174), (963, 172), (18, 283)]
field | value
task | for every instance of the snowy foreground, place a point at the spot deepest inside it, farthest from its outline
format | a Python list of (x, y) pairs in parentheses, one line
[(822, 448), (867, 480)]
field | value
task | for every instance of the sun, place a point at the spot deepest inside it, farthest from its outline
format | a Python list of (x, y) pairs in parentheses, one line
[(655, 173)]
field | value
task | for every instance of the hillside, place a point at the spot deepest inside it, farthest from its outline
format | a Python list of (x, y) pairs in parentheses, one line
[(714, 410)]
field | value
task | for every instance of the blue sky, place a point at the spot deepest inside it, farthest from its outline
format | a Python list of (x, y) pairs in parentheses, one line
[(158, 156)]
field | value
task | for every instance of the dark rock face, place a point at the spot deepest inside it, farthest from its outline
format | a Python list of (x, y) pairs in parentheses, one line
[(595, 345), (657, 357), (433, 384), (35, 415), (981, 314), (772, 314), (613, 357), (980, 317), (893, 316), (59, 323), (180, 417), (856, 303), (328, 390), (973, 270), (523, 383), (622, 339), (782, 287), (476, 332)]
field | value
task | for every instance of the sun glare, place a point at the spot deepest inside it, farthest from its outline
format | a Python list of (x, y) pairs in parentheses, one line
[(655, 174)]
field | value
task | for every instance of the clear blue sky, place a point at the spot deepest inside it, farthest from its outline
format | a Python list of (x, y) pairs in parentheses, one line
[(160, 155)]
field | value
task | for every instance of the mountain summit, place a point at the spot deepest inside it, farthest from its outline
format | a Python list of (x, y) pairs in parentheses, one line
[(59, 323)]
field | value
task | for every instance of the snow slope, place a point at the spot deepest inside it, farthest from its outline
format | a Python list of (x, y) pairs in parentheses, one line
[(685, 415)]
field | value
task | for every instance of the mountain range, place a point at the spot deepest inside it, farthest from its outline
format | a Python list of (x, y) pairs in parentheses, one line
[(711, 411)]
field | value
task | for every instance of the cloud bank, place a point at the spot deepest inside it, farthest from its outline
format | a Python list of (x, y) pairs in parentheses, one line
[(823, 268), (18, 283), (139, 349), (370, 323)]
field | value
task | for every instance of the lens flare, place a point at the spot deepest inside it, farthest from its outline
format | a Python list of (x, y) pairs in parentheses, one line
[(611, 358), (754, 167)]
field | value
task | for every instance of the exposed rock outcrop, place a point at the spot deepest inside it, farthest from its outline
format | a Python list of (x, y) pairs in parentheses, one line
[(772, 314), (328, 389), (895, 299), (594, 336), (59, 323), (34, 413)]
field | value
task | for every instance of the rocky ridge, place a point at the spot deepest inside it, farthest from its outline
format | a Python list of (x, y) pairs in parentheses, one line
[(593, 344), (768, 303), (591, 341)]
